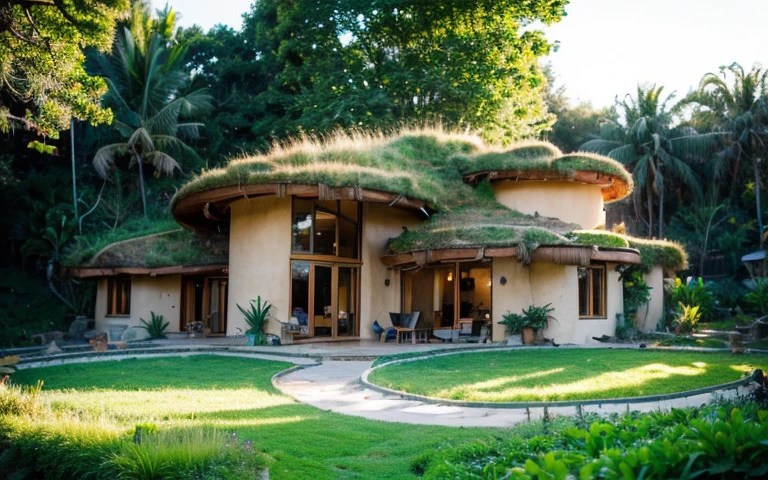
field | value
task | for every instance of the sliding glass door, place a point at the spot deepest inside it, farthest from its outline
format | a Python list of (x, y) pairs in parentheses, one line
[(325, 298)]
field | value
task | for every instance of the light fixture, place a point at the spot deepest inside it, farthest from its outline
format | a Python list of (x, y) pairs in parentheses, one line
[(503, 280), (386, 282), (490, 283), (450, 276)]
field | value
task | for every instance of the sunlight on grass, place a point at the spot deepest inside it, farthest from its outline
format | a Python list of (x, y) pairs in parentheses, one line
[(162, 404), (564, 374), (257, 422), (608, 381)]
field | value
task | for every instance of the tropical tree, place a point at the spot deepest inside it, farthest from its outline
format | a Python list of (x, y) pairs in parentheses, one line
[(645, 141), (742, 111), (146, 76), (43, 82)]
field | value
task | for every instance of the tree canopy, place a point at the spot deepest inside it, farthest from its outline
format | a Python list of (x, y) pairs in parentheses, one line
[(43, 82)]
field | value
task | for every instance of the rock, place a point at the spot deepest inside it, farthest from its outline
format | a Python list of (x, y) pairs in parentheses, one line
[(78, 328), (53, 348)]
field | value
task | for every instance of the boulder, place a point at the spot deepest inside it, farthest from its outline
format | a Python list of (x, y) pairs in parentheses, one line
[(78, 328)]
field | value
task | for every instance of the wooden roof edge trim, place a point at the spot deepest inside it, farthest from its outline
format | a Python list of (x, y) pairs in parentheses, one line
[(93, 272), (195, 202), (558, 254)]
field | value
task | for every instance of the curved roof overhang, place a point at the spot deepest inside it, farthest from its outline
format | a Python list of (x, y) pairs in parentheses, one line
[(210, 210), (613, 187), (579, 255), (93, 272)]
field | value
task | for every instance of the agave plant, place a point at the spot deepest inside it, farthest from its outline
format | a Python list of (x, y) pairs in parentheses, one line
[(156, 327), (256, 318)]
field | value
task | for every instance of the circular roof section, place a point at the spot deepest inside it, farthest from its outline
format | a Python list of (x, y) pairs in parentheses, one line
[(539, 161)]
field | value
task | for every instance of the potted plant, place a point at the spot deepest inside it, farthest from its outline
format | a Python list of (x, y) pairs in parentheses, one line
[(256, 318), (532, 320)]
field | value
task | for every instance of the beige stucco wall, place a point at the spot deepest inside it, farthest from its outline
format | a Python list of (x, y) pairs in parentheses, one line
[(376, 300), (259, 259), (160, 295), (649, 314), (543, 283), (569, 201)]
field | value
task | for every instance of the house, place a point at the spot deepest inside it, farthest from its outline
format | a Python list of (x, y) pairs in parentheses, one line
[(339, 234)]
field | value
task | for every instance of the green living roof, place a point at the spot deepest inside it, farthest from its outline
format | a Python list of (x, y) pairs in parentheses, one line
[(167, 249), (423, 165), (431, 167), (667, 254)]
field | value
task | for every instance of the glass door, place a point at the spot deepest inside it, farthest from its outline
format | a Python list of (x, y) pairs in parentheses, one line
[(217, 315), (322, 312), (347, 302)]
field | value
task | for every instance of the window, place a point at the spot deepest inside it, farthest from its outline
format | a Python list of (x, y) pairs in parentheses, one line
[(592, 291), (329, 228), (119, 296)]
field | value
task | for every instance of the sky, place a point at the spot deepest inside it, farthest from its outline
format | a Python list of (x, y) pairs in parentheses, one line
[(607, 47)]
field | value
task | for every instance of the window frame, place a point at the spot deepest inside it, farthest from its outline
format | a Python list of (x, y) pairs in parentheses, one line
[(603, 294), (340, 217), (115, 286)]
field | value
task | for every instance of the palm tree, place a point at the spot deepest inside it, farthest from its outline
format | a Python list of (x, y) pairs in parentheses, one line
[(646, 143), (146, 76), (743, 111)]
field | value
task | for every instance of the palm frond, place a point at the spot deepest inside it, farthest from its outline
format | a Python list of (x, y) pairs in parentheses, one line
[(163, 162), (600, 146), (104, 159), (625, 154), (142, 137), (697, 145), (189, 130)]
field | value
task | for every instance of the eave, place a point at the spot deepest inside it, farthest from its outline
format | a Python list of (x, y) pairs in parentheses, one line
[(210, 210), (95, 272), (613, 187), (580, 255)]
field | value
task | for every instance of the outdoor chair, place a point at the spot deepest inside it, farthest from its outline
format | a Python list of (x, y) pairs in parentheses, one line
[(391, 332)]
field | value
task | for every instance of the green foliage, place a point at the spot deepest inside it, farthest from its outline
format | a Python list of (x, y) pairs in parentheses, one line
[(710, 442), (44, 82), (155, 327), (664, 253), (256, 317), (147, 77), (20, 400), (28, 308), (600, 238), (687, 317), (757, 299), (693, 294), (636, 291), (535, 318), (467, 65)]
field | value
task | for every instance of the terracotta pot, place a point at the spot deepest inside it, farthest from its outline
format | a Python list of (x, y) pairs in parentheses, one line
[(529, 335)]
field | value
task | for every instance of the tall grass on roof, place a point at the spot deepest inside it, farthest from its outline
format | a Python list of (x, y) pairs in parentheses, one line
[(664, 253), (422, 164), (496, 226)]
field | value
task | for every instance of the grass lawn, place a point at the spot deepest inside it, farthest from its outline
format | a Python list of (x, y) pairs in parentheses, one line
[(563, 374), (236, 395)]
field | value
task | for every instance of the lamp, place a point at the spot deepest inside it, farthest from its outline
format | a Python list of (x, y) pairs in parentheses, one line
[(450, 276)]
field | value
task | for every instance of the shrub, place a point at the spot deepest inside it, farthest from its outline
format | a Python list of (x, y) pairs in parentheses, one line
[(757, 300), (687, 317), (710, 442), (693, 293), (256, 317), (535, 318), (155, 328), (636, 291)]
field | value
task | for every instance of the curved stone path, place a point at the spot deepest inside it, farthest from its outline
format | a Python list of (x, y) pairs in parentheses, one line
[(334, 386)]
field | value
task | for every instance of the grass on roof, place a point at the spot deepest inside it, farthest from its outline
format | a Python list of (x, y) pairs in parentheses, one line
[(426, 165), (164, 249), (493, 226), (664, 253)]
